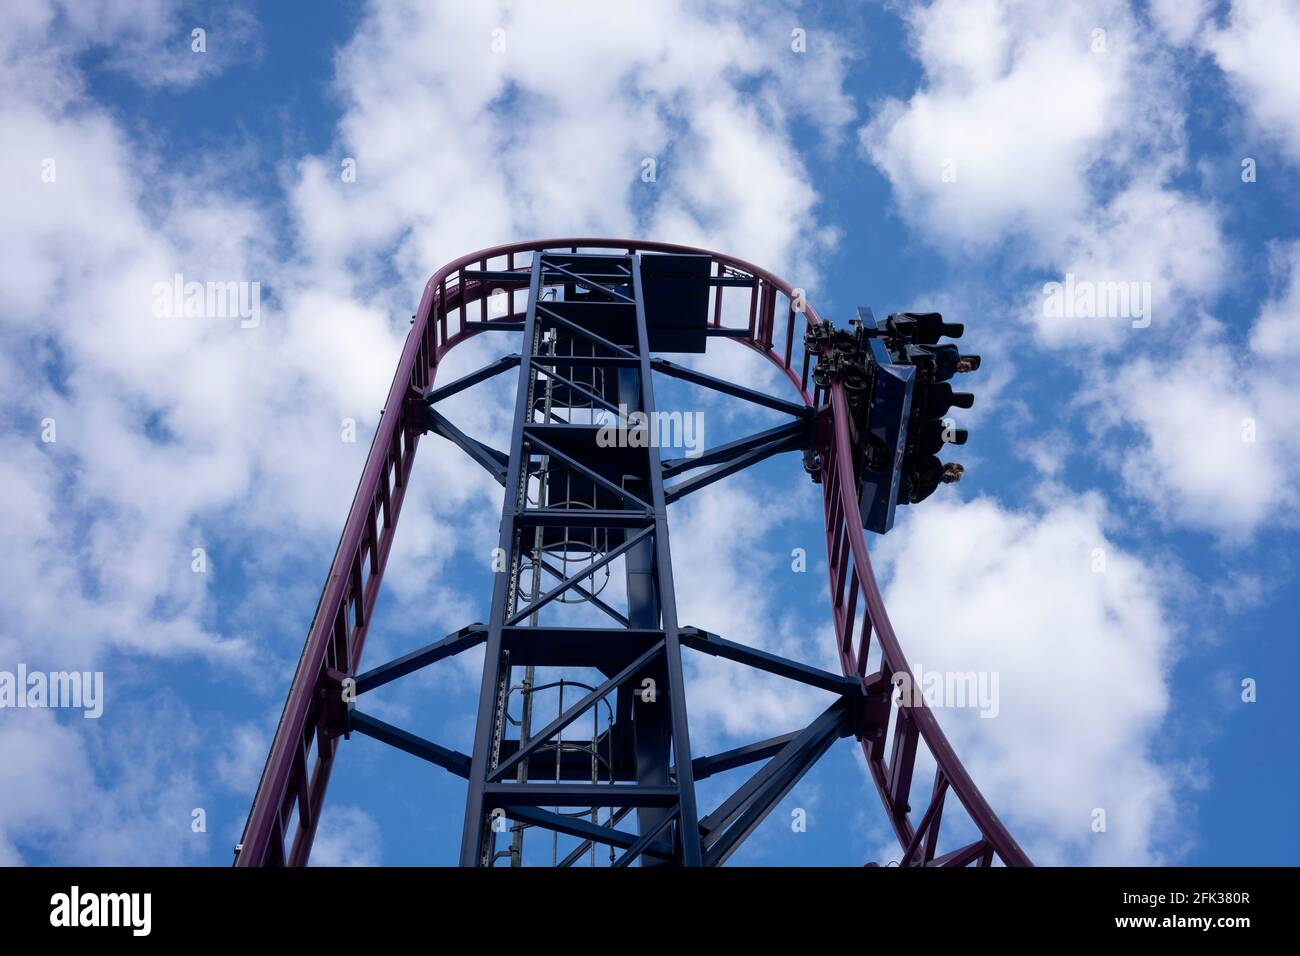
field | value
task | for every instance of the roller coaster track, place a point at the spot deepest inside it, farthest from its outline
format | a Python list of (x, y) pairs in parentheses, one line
[(290, 796)]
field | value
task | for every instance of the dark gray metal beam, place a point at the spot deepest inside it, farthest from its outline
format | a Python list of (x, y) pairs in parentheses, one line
[(560, 320), (717, 646), (432, 420), (730, 388), (583, 518), (449, 646), (473, 378), (606, 649), (497, 325), (458, 763), (711, 456), (753, 457), (740, 756), (507, 795), (576, 826), (745, 810), (665, 602), (583, 847), (646, 841)]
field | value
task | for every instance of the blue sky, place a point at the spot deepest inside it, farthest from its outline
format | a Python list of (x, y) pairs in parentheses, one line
[(1112, 157)]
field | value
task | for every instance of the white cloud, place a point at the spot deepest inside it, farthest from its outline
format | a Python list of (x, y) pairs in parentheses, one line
[(1209, 458), (1256, 51), (1219, 427), (729, 560), (1032, 132), (1180, 20), (150, 41), (1017, 98), (1082, 660), (347, 836), (50, 760), (240, 764), (1276, 333), (1164, 248), (121, 792), (547, 137)]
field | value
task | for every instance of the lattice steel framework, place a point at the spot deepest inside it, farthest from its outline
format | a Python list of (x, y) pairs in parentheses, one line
[(578, 511)]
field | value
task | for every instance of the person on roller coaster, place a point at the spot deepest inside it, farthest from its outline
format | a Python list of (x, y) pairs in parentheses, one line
[(920, 483)]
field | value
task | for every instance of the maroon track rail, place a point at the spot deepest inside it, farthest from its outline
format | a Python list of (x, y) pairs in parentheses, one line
[(286, 808)]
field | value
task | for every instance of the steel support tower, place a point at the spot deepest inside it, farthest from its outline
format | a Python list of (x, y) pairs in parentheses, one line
[(582, 750)]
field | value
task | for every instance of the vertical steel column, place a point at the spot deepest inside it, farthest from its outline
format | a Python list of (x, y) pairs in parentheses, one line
[(688, 821), (475, 848), (654, 728), (651, 727)]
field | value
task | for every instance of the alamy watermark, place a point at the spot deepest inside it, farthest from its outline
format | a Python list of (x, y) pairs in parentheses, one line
[(1085, 299), (656, 429), (130, 910), (179, 299), (81, 690), (974, 689)]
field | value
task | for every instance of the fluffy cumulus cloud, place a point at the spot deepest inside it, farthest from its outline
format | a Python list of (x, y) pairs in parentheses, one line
[(725, 584), (1052, 132), (1256, 51), (1180, 20), (1218, 424), (1276, 334), (1076, 634), (149, 423), (151, 41), (348, 836), (122, 797), (1144, 260), (1019, 103), (674, 126), (1252, 42)]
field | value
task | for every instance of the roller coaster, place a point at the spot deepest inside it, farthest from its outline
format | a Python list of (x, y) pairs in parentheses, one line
[(582, 732)]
